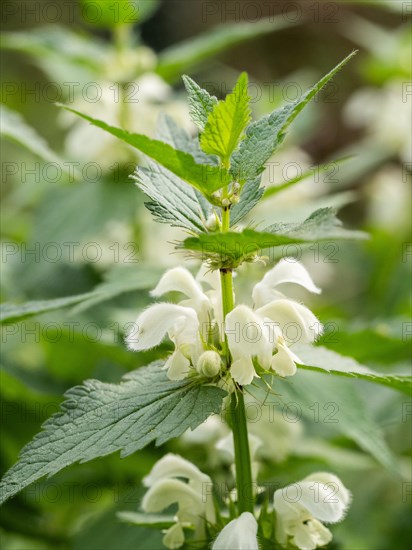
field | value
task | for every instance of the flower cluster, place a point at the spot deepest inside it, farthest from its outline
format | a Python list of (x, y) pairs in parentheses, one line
[(262, 334), (301, 508)]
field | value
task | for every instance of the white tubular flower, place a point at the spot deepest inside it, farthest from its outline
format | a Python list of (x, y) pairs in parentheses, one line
[(247, 337), (179, 279), (169, 491), (296, 322), (152, 325), (285, 271), (172, 465), (179, 322), (239, 534), (276, 323), (214, 293), (194, 499), (174, 537), (301, 507)]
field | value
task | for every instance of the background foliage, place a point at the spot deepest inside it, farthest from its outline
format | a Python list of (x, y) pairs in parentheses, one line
[(78, 236)]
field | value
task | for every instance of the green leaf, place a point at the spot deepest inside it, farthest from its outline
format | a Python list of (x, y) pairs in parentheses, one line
[(14, 128), (172, 200), (57, 46), (326, 361), (380, 342), (98, 419), (250, 195), (118, 281), (338, 405), (181, 57), (231, 248), (265, 135), (10, 313), (226, 123), (203, 177), (200, 101), (155, 521)]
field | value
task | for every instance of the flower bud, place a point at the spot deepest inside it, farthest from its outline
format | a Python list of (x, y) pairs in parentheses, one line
[(212, 223), (209, 364)]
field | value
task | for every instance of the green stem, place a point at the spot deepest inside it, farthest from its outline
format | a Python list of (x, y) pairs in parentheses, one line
[(244, 482)]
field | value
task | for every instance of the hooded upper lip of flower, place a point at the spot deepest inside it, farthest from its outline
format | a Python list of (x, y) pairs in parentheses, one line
[(301, 507), (239, 534), (269, 326), (167, 487)]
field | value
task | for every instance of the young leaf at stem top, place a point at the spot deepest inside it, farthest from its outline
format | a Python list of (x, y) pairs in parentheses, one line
[(225, 125), (200, 101), (265, 135)]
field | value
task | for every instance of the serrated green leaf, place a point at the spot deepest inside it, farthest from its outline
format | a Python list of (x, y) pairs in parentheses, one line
[(14, 127), (339, 406), (98, 419), (226, 123), (250, 195), (172, 200), (181, 57), (323, 360), (231, 248), (203, 177), (265, 135), (200, 101)]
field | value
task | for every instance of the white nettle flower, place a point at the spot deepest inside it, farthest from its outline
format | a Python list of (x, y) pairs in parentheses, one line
[(179, 322), (193, 496), (183, 322), (239, 534), (179, 279), (301, 507), (276, 322)]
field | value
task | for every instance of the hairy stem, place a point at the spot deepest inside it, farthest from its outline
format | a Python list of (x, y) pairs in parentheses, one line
[(237, 406)]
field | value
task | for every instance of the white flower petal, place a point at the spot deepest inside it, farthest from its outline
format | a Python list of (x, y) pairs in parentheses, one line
[(174, 537), (320, 496), (283, 361), (178, 279), (165, 492), (208, 276), (243, 371), (286, 271), (297, 322), (177, 365), (246, 334), (311, 534), (152, 325), (239, 534), (172, 465), (325, 497)]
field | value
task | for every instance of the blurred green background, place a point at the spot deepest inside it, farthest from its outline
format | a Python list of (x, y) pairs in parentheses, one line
[(74, 226)]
